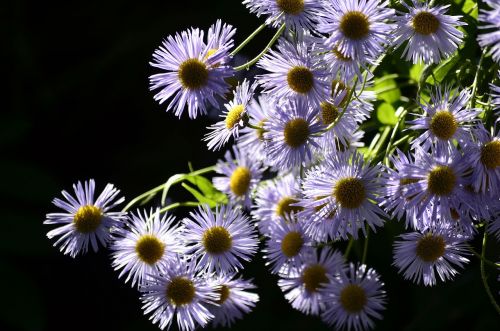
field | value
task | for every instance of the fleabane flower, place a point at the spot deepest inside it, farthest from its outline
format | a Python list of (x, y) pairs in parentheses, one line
[(495, 95), (220, 239), (430, 32), (294, 13), (446, 118), (354, 298), (195, 70), (146, 243), (234, 117), (180, 292), (358, 29), (86, 220), (490, 22), (240, 175), (294, 72), (420, 255)]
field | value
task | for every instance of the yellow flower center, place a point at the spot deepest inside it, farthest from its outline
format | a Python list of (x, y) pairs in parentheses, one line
[(223, 292), (193, 74), (354, 25), (329, 113), (239, 183), (87, 218), (350, 192), (300, 79), (353, 298), (490, 154), (234, 116), (425, 23), (296, 132), (443, 125), (291, 244), (430, 247), (149, 249), (180, 291), (313, 277), (292, 7), (340, 56), (441, 180), (217, 240), (285, 207)]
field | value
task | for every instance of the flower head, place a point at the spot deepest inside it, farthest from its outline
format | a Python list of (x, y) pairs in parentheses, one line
[(491, 24)]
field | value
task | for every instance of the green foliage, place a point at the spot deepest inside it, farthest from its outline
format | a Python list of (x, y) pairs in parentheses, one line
[(206, 192), (386, 114)]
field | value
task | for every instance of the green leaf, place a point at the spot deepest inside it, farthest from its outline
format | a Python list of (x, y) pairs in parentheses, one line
[(443, 69), (387, 90), (386, 114), (207, 188), (416, 71), (211, 201)]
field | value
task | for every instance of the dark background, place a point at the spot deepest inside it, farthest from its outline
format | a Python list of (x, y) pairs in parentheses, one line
[(77, 106)]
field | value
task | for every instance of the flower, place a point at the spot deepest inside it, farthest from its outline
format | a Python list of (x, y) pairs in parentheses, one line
[(430, 32), (341, 64), (491, 20), (495, 94), (420, 255), (294, 13), (241, 174), (148, 243), (354, 298), (234, 301), (86, 220), (294, 72), (181, 291), (195, 70), (446, 117), (357, 29), (220, 239), (303, 286), (234, 117)]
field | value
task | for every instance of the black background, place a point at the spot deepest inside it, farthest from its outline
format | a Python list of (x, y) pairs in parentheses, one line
[(77, 105)]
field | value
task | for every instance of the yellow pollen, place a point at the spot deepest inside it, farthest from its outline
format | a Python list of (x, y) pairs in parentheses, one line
[(217, 240), (223, 292), (260, 131), (284, 206), (291, 244), (430, 247), (211, 52), (240, 181), (353, 298), (313, 277), (425, 23), (441, 180), (292, 7), (149, 249), (490, 154), (193, 74), (296, 132), (340, 56), (234, 116), (443, 125), (350, 192), (180, 291), (329, 113), (354, 25), (87, 218), (300, 79)]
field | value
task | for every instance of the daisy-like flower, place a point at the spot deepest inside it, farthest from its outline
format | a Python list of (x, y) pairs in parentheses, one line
[(234, 117), (354, 298), (490, 20), (290, 134), (420, 255), (195, 70), (286, 247), (221, 239), (430, 32), (85, 220), (235, 299), (347, 189), (148, 243), (360, 106), (358, 29), (295, 71), (446, 118), (240, 176), (294, 13), (303, 286), (495, 94), (341, 64), (178, 291), (275, 201)]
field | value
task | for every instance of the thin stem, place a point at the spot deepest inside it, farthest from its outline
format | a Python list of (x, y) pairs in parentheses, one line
[(351, 92), (393, 136), (249, 38), (180, 179), (269, 45), (142, 197), (255, 127), (488, 262), (483, 274), (476, 78), (348, 249), (179, 204), (365, 247), (381, 141)]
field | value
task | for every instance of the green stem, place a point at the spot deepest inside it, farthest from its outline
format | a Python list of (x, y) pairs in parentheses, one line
[(249, 38), (393, 136), (483, 274), (349, 98), (476, 78), (255, 127), (365, 247), (264, 51), (348, 249), (381, 141), (488, 262), (143, 196), (180, 179), (179, 204)]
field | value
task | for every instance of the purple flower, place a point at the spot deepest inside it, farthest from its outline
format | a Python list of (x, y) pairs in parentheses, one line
[(490, 20)]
